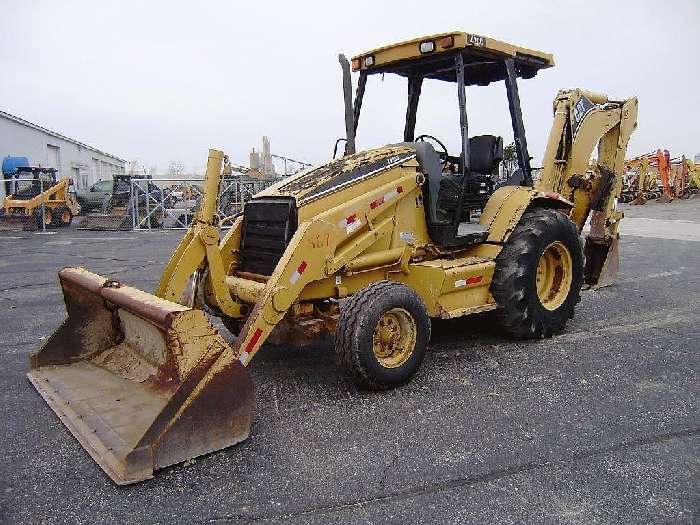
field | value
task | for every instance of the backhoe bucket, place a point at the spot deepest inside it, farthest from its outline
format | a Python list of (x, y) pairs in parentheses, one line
[(602, 262), (141, 382)]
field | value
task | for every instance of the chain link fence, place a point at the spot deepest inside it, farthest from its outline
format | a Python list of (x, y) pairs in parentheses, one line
[(172, 203)]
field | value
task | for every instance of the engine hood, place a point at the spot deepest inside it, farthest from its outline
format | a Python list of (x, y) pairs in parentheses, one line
[(316, 182)]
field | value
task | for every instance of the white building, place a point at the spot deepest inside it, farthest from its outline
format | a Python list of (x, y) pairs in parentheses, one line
[(43, 147)]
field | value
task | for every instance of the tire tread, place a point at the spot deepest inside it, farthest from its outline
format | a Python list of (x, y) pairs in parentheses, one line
[(510, 285)]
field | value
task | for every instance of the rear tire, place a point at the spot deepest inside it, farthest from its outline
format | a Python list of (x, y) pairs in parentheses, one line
[(62, 216), (382, 335), (539, 274)]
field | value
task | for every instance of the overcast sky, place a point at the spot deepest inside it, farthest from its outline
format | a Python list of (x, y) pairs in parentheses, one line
[(163, 81)]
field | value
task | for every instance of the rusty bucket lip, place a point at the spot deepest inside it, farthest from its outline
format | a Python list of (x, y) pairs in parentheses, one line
[(99, 453), (112, 464), (150, 307)]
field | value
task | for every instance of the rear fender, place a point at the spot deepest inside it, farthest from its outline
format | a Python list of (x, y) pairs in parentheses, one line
[(508, 204)]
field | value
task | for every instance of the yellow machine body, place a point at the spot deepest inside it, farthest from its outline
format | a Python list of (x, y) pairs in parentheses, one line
[(59, 208), (350, 223)]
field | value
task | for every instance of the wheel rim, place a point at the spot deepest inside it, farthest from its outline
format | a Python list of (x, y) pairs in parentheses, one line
[(394, 338), (65, 217), (554, 273), (47, 217)]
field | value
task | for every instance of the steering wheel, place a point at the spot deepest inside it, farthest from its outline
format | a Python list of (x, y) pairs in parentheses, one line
[(442, 154)]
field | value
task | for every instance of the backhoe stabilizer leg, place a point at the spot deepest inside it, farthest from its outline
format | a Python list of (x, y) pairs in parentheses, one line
[(602, 261)]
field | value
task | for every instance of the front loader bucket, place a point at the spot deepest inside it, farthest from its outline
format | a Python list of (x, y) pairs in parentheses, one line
[(17, 222), (103, 222), (141, 382), (602, 262)]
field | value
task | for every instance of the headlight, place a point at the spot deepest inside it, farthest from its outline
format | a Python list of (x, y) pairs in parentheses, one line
[(369, 61), (427, 47)]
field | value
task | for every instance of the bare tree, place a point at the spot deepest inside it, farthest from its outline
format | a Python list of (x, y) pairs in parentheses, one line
[(176, 169), (510, 162), (133, 167)]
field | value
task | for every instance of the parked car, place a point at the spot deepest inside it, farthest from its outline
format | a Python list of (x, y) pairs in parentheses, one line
[(92, 198), (106, 194)]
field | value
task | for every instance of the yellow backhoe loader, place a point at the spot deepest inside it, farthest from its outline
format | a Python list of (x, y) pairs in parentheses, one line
[(368, 248)]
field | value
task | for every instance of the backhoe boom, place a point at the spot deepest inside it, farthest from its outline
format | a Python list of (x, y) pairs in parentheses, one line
[(583, 120)]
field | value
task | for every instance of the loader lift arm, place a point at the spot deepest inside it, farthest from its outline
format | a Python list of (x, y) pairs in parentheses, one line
[(199, 249)]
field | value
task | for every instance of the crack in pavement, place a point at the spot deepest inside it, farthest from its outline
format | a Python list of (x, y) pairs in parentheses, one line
[(88, 257), (468, 481)]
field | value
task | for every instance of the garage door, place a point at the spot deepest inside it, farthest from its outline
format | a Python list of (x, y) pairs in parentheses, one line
[(54, 157)]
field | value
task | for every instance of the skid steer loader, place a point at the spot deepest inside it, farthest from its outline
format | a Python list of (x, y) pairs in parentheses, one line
[(37, 200), (368, 247)]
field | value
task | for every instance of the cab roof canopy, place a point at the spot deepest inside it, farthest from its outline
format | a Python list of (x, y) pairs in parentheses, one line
[(433, 57)]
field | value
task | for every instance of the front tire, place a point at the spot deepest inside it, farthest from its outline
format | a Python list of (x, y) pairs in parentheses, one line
[(539, 274), (382, 335), (44, 218)]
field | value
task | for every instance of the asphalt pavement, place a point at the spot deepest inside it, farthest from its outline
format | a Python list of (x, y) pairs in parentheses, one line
[(597, 425)]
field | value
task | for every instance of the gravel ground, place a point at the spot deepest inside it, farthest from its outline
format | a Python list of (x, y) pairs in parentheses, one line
[(597, 425)]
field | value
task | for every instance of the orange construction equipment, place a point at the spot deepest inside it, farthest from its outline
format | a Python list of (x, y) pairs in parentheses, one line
[(663, 163), (651, 167)]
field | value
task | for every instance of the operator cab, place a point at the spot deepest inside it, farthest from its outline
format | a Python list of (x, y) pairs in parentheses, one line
[(30, 181), (457, 186)]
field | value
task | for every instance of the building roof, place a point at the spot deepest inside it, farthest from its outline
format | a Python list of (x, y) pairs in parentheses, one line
[(19, 120)]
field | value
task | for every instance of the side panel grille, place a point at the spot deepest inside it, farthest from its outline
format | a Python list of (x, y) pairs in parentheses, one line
[(268, 226)]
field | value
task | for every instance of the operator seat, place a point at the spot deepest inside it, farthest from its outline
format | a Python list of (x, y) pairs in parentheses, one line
[(485, 154), (431, 166)]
